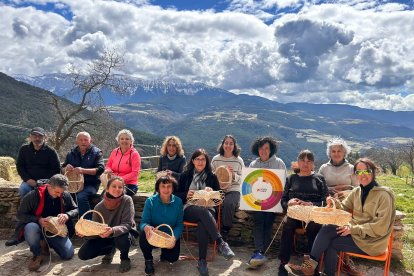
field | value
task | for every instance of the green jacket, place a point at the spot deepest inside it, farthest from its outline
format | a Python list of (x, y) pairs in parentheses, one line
[(371, 225)]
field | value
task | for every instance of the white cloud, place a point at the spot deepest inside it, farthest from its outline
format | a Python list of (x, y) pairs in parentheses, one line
[(325, 53)]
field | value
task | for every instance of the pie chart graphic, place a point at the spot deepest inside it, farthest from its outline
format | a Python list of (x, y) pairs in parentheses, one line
[(262, 189)]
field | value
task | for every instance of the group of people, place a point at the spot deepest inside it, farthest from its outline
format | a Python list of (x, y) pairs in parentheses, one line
[(353, 187)]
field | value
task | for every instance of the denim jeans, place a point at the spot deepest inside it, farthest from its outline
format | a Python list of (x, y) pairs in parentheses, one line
[(62, 246), (24, 188), (83, 200)]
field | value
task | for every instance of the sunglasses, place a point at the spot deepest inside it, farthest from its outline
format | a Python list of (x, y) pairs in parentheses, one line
[(361, 172)]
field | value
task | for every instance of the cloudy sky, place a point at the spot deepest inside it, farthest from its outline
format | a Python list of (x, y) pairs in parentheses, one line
[(354, 52)]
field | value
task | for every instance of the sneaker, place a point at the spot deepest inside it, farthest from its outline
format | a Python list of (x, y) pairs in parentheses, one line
[(307, 267), (350, 268), (257, 260), (107, 259), (35, 263), (226, 251), (125, 266), (11, 242), (149, 267), (202, 267), (44, 248)]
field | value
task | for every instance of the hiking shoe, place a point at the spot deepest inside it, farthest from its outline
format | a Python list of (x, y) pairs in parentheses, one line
[(202, 267), (149, 267), (125, 266), (307, 267), (257, 260), (107, 259), (44, 248), (11, 242), (350, 268), (226, 251), (35, 263)]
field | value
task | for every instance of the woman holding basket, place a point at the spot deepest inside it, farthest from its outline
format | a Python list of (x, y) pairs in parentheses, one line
[(118, 212), (198, 176), (161, 209)]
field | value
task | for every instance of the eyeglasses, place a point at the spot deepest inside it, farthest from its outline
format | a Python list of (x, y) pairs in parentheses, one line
[(361, 172), (199, 159)]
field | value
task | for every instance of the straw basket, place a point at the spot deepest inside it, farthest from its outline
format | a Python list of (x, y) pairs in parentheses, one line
[(206, 198), (55, 228), (325, 215), (160, 174), (300, 212), (104, 179), (75, 181), (224, 177), (161, 239), (87, 227)]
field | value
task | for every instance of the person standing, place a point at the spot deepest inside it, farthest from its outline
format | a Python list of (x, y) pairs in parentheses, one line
[(35, 161), (85, 159)]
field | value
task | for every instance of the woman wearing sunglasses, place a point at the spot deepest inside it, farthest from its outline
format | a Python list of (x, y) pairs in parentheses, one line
[(373, 213)]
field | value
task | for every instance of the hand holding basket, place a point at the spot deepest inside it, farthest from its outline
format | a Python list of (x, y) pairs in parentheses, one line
[(87, 227), (206, 198), (224, 177), (161, 239), (76, 181), (55, 228)]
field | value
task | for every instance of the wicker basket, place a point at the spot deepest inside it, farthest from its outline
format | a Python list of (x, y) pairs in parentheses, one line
[(161, 239), (87, 227), (76, 181), (160, 174), (104, 179), (300, 212), (206, 198), (326, 215), (224, 177), (55, 228)]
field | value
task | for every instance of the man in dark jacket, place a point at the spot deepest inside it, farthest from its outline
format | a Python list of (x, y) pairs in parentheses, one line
[(51, 199), (85, 159), (35, 161)]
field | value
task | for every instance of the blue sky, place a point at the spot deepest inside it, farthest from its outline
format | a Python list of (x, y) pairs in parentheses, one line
[(357, 52)]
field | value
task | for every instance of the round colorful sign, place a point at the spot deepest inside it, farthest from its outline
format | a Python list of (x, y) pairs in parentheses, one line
[(262, 189)]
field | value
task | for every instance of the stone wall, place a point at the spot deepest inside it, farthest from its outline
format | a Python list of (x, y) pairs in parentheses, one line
[(241, 231)]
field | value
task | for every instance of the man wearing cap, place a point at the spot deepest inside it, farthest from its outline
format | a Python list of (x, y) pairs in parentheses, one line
[(35, 161)]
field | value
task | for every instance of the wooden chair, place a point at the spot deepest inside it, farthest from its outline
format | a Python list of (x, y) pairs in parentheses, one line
[(385, 257), (188, 224)]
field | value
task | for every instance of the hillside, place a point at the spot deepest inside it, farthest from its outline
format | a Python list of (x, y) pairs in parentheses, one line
[(201, 115), (28, 106)]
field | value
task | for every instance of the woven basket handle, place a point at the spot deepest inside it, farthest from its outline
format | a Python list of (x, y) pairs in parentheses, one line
[(93, 211), (169, 227), (333, 202), (45, 230)]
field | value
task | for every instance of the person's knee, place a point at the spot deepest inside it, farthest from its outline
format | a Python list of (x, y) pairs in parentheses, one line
[(68, 254)]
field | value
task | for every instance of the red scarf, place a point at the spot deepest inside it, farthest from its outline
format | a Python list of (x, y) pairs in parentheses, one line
[(110, 202)]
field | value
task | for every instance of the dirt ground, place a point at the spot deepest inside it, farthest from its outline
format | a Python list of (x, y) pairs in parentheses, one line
[(14, 260)]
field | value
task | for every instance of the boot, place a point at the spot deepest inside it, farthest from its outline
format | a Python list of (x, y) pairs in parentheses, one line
[(35, 263), (307, 267), (149, 267), (350, 268)]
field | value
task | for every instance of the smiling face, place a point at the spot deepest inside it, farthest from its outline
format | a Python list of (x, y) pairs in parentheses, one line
[(199, 163), (171, 147), (337, 154), (228, 147), (116, 188), (306, 166), (166, 190), (264, 152), (124, 141), (364, 174)]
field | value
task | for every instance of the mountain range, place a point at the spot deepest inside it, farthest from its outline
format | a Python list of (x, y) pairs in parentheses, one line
[(201, 115)]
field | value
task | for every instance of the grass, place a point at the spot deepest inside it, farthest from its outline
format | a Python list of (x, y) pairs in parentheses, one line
[(146, 181), (404, 194)]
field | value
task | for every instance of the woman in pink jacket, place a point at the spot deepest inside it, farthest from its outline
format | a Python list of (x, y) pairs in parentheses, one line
[(125, 161)]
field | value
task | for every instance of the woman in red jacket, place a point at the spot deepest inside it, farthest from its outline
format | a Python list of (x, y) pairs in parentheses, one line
[(125, 161)]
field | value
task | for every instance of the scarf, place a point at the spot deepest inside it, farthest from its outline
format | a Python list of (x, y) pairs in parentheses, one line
[(171, 158), (111, 202), (199, 180)]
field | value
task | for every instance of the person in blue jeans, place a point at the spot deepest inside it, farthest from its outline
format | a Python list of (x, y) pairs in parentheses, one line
[(51, 199), (85, 159)]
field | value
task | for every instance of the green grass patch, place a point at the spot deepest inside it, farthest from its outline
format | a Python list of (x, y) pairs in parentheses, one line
[(146, 181)]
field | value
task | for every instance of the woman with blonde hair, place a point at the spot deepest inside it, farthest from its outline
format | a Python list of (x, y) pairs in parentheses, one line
[(172, 159)]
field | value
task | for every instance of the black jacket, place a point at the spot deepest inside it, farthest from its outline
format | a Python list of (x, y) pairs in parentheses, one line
[(37, 164), (91, 159), (185, 182)]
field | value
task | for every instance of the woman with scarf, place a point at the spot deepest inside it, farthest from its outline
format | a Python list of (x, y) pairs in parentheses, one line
[(118, 212), (125, 161), (198, 176)]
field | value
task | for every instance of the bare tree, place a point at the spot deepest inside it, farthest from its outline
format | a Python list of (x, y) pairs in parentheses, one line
[(408, 154), (87, 88)]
